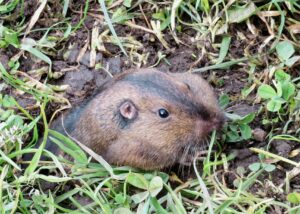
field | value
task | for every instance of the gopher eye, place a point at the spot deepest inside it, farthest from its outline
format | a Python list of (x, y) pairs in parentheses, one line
[(163, 113)]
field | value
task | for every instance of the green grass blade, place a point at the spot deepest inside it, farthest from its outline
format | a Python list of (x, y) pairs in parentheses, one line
[(111, 27), (224, 49)]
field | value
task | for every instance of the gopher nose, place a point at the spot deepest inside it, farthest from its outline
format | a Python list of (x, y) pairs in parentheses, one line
[(216, 122)]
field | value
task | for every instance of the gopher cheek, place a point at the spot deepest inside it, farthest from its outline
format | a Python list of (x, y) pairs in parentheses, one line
[(144, 156)]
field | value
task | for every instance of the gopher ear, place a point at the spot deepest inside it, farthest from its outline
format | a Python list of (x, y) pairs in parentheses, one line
[(128, 110)]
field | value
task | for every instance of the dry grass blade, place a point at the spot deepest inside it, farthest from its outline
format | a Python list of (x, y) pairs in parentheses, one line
[(271, 155), (175, 6), (35, 16), (158, 33), (94, 44)]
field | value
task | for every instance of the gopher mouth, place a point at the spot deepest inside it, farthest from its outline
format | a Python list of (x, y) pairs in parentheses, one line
[(192, 150)]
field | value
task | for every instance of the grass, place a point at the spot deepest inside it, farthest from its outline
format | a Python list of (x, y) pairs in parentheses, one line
[(260, 40)]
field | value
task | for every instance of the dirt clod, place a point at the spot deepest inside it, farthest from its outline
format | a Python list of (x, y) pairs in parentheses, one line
[(244, 158), (281, 147), (4, 60), (82, 82), (114, 65), (259, 134)]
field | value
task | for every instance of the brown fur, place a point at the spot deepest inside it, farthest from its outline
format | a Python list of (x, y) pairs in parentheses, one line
[(148, 141)]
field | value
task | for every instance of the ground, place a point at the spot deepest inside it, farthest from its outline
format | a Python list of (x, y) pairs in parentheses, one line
[(249, 53)]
